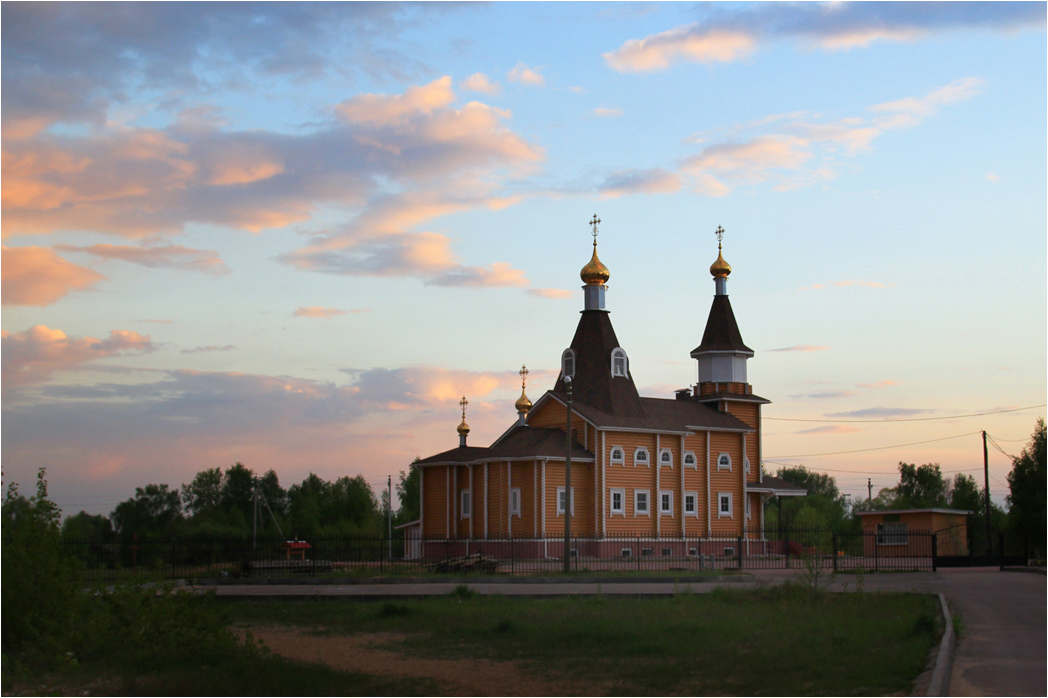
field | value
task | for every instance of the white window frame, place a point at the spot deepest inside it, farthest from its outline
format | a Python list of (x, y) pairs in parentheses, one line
[(618, 353), (723, 497), (647, 503), (747, 500), (514, 501), (560, 504), (694, 461), (694, 497), (621, 460), (647, 456), (663, 509), (746, 465), (621, 510), (465, 504), (569, 354), (721, 464), (663, 461)]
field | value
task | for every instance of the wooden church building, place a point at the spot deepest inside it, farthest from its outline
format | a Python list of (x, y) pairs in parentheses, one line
[(679, 470)]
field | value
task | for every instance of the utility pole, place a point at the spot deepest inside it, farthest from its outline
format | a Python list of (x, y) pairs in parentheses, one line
[(389, 513), (869, 493), (986, 480), (567, 485)]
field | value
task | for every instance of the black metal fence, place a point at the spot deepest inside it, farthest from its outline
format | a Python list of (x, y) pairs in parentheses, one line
[(360, 557)]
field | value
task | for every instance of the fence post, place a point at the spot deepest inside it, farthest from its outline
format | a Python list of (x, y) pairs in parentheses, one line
[(738, 552), (935, 552), (834, 541)]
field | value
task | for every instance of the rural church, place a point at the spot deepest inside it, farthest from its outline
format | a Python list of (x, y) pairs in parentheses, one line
[(680, 470)]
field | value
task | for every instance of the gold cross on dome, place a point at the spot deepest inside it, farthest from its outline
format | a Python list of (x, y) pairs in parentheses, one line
[(594, 223), (720, 234), (463, 402), (523, 375)]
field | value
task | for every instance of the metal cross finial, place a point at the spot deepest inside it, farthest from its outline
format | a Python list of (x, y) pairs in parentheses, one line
[(523, 375), (463, 402), (594, 223), (720, 234)]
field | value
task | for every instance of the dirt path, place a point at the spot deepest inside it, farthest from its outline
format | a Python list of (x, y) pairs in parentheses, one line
[(361, 653)]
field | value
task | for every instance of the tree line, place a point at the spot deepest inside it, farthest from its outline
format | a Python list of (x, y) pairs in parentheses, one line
[(237, 502), (217, 503)]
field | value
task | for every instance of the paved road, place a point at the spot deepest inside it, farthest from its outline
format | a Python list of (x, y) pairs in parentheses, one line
[(1002, 651)]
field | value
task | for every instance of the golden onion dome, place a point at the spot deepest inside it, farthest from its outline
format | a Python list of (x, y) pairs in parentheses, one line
[(720, 268), (523, 404), (595, 273), (463, 428)]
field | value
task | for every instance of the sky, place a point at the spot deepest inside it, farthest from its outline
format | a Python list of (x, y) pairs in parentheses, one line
[(295, 235)]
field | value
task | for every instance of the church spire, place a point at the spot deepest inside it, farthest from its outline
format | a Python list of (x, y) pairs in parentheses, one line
[(523, 404), (463, 428), (595, 275), (720, 269)]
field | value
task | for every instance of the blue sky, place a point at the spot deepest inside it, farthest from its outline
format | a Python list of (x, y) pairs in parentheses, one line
[(295, 235)]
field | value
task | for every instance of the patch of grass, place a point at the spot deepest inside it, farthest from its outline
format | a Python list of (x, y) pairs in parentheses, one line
[(690, 643)]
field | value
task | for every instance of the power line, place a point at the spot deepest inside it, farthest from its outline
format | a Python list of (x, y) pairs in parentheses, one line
[(877, 448), (907, 419), (859, 472)]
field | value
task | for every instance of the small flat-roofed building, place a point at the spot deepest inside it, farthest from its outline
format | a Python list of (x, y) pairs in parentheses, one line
[(905, 532)]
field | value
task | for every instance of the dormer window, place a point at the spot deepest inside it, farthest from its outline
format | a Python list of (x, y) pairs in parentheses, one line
[(666, 457), (724, 462), (619, 364), (640, 457), (617, 456), (689, 459), (567, 363)]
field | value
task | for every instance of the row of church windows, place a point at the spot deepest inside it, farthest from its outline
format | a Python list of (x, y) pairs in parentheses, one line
[(640, 457), (641, 503), (619, 363)]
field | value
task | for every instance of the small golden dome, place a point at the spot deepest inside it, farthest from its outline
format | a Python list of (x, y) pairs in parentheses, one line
[(523, 404), (595, 273), (463, 428), (720, 268)]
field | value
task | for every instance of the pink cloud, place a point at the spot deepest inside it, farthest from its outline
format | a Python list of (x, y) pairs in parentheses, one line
[(170, 256), (317, 311), (33, 355), (525, 75), (37, 276), (836, 429), (879, 384), (688, 43), (627, 182), (550, 292), (479, 82)]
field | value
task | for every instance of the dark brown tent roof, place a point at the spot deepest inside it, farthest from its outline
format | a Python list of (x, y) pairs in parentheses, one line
[(722, 332), (517, 443)]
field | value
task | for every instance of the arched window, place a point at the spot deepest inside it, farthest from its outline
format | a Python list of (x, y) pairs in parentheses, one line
[(619, 363), (689, 459), (666, 457), (617, 456), (724, 462), (567, 363), (640, 456)]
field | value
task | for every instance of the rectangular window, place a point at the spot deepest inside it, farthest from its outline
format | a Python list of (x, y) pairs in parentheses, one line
[(514, 501), (747, 507), (892, 534), (561, 501), (640, 503), (724, 507), (666, 502), (690, 501), (465, 507), (618, 502)]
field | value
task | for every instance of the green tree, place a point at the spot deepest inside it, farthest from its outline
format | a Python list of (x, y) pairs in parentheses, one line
[(408, 495), (920, 487), (824, 507), (154, 510), (238, 487), (965, 494), (273, 492), (39, 582), (1026, 487), (84, 525), (202, 498)]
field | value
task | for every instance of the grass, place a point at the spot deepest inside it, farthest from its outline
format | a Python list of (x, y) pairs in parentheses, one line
[(776, 641)]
